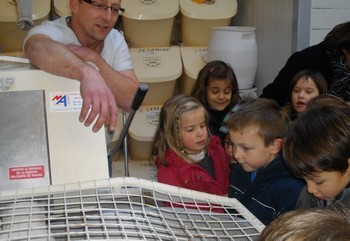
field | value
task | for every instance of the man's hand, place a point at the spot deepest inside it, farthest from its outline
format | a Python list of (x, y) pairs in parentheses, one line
[(98, 101), (95, 93), (123, 84)]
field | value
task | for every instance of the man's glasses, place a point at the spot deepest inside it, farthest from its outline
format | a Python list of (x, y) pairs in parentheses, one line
[(101, 6)]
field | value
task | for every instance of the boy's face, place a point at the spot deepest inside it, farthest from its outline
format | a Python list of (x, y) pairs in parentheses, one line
[(249, 149), (327, 185)]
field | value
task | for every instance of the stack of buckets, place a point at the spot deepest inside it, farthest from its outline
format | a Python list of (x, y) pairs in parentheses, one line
[(147, 26)]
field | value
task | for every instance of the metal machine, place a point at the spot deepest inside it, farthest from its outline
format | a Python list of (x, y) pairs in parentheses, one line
[(41, 115)]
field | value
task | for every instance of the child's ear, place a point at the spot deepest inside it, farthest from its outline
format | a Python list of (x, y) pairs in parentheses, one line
[(276, 145), (348, 170)]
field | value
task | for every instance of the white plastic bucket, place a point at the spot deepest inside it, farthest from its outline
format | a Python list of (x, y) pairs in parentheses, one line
[(236, 46)]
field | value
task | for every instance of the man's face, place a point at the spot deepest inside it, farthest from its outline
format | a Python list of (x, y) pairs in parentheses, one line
[(94, 19)]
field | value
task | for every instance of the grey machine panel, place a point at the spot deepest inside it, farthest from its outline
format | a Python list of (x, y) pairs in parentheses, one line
[(24, 158)]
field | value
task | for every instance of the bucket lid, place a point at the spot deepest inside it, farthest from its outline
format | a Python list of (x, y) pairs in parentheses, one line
[(150, 9), (145, 122), (219, 9), (8, 10), (62, 8), (192, 59), (153, 65)]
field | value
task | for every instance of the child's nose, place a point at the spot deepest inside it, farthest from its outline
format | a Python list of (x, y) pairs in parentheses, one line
[(311, 188), (200, 132), (301, 94), (237, 153)]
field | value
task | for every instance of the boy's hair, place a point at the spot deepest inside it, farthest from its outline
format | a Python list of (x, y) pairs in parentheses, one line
[(219, 70), (168, 131), (322, 224), (265, 114), (320, 138)]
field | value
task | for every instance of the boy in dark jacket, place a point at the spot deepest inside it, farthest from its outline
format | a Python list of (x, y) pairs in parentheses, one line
[(318, 150), (260, 179)]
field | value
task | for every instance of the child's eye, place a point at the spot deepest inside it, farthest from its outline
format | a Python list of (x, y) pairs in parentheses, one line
[(227, 91), (246, 148), (319, 182)]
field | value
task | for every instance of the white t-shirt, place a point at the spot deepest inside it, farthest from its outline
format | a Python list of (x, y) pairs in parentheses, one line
[(115, 51)]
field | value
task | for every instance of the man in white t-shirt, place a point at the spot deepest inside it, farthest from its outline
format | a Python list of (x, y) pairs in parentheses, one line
[(87, 48)]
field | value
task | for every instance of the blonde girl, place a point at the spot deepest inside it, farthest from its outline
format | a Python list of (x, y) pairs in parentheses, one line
[(185, 154)]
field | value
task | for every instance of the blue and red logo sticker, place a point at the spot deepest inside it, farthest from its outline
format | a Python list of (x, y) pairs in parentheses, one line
[(67, 101)]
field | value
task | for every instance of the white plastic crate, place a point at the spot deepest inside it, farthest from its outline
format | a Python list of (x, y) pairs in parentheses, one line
[(122, 209)]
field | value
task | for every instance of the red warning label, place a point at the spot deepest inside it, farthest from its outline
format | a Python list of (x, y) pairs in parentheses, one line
[(29, 172)]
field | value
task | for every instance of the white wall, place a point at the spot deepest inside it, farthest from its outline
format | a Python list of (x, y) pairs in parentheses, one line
[(325, 14), (273, 21)]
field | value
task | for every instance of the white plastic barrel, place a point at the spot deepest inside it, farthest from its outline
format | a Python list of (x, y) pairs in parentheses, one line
[(237, 46)]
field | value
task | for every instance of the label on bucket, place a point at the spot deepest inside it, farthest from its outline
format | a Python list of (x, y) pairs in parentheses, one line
[(148, 2), (151, 115), (152, 62)]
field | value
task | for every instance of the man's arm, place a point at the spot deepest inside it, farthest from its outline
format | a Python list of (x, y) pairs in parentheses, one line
[(123, 84), (58, 59)]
